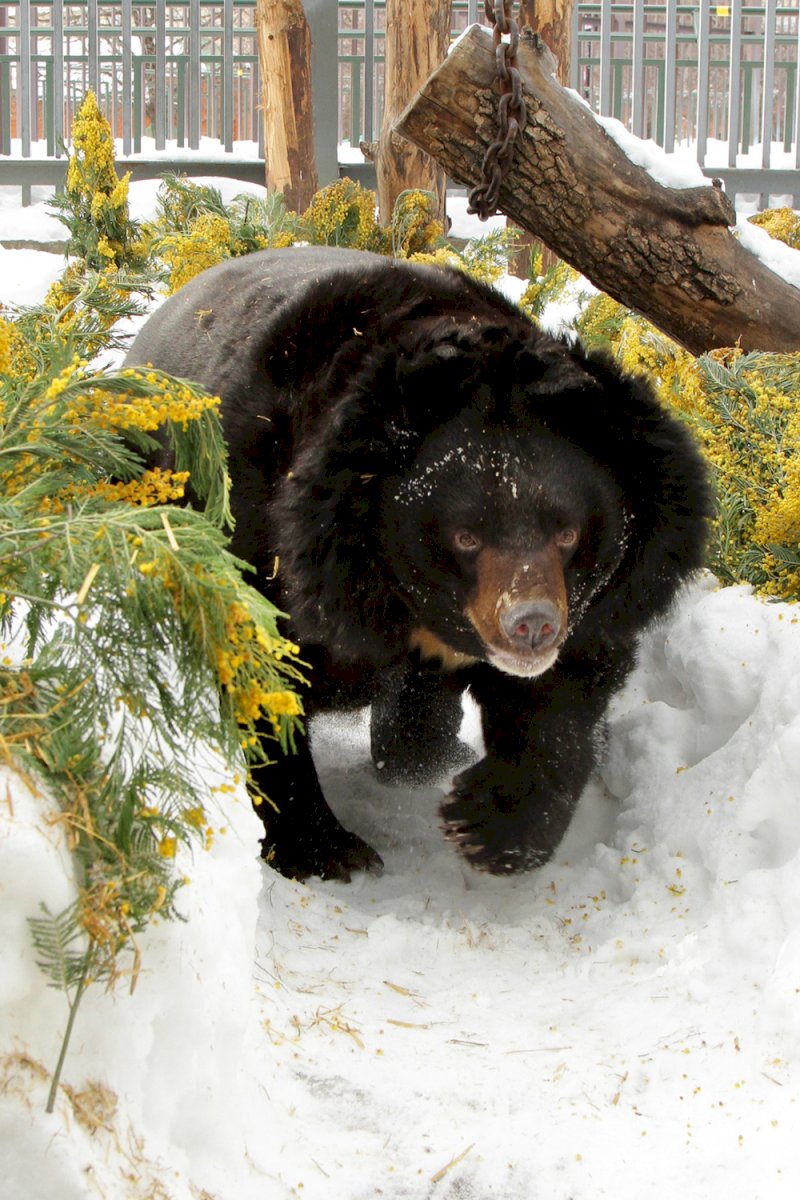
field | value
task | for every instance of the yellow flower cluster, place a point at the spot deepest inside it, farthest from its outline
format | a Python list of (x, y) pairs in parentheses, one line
[(244, 661), (95, 197), (748, 424), (343, 214), (206, 243), (5, 347), (415, 227), (154, 487), (68, 375), (20, 356), (87, 321), (253, 702), (197, 818), (773, 458), (168, 400), (780, 223), (92, 142), (550, 286), (641, 349), (601, 319)]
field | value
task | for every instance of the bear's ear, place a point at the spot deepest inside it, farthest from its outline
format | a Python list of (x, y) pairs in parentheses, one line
[(409, 392)]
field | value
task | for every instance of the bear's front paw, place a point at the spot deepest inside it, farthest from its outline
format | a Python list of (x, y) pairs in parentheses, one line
[(487, 819)]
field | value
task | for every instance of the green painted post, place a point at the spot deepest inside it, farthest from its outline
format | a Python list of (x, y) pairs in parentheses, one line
[(5, 107)]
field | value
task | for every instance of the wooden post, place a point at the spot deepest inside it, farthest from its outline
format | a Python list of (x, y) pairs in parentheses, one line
[(666, 252), (417, 36), (284, 51), (552, 20)]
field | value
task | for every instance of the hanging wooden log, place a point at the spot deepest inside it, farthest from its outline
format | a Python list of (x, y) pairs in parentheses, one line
[(666, 252)]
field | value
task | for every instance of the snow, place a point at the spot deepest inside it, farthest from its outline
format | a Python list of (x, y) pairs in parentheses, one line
[(680, 169), (628, 1014), (779, 257)]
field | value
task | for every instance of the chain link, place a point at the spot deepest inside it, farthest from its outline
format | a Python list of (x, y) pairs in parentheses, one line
[(511, 114)]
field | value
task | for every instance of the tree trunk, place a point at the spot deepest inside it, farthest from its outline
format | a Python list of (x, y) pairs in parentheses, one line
[(417, 36), (552, 20), (284, 52), (666, 252)]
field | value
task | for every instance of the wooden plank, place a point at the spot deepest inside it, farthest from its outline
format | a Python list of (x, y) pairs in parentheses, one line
[(59, 134), (797, 101), (369, 71), (92, 47), (25, 79), (605, 57)]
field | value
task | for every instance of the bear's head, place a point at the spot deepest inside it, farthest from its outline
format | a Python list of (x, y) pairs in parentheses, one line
[(499, 536)]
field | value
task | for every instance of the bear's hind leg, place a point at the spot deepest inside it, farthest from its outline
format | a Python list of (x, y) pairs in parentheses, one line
[(302, 836)]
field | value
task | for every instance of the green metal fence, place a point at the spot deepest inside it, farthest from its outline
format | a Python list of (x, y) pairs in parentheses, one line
[(181, 78), (688, 72)]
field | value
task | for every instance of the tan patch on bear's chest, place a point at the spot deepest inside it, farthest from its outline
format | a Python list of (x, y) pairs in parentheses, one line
[(432, 647)]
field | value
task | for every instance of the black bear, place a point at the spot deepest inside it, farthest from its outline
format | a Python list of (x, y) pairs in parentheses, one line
[(455, 500)]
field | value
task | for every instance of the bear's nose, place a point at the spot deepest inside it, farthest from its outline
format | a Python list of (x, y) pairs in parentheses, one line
[(535, 625)]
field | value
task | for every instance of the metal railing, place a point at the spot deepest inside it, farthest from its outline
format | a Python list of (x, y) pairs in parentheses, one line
[(722, 79), (183, 75), (172, 70)]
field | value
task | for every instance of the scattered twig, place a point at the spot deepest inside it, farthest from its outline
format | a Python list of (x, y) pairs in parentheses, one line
[(453, 1163)]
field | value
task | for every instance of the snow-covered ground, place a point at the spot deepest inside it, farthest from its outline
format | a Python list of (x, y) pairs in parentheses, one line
[(625, 1020)]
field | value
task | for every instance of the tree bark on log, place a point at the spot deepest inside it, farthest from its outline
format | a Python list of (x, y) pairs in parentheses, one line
[(416, 39), (284, 52), (668, 253)]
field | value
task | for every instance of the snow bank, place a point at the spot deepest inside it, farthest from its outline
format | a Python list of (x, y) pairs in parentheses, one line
[(165, 1066), (629, 1013)]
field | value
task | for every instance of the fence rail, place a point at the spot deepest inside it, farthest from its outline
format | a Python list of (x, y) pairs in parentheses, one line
[(181, 78)]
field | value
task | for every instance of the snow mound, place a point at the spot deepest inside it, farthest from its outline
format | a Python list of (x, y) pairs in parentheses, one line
[(628, 1013)]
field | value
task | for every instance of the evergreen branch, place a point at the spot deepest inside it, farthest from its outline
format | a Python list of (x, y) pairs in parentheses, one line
[(54, 937)]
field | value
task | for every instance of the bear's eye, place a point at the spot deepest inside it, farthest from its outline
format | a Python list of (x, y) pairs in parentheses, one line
[(567, 538), (466, 541)]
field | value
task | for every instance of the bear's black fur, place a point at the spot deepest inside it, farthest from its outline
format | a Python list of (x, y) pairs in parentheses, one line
[(456, 500)]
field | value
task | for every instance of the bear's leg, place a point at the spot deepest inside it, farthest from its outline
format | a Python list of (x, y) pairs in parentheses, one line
[(414, 724), (510, 810), (302, 836)]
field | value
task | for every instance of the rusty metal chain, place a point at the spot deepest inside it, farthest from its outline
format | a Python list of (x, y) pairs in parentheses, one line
[(511, 115)]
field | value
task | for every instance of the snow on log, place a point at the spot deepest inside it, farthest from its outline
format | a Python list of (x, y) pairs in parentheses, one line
[(666, 252)]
